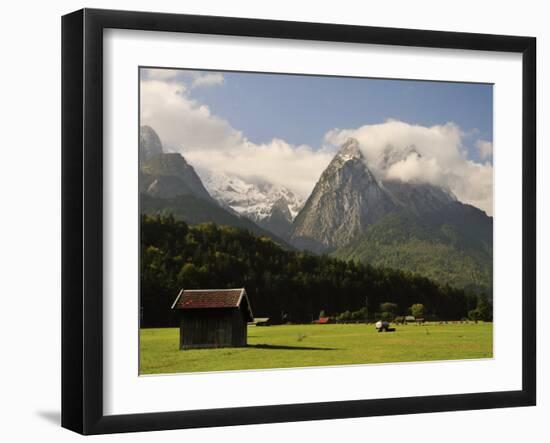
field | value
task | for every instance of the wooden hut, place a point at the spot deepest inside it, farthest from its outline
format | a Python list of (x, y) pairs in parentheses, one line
[(213, 318)]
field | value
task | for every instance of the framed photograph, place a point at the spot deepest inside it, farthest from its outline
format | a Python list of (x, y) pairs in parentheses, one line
[(269, 221)]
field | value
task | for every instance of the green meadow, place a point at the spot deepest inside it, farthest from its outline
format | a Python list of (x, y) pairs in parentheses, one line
[(288, 346)]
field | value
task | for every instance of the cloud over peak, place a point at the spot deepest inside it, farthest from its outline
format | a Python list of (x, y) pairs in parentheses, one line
[(394, 150), (210, 143)]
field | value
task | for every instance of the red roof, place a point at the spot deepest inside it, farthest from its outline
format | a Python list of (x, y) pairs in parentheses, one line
[(323, 320), (211, 298)]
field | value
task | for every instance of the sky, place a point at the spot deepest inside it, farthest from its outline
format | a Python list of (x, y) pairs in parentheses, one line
[(286, 128)]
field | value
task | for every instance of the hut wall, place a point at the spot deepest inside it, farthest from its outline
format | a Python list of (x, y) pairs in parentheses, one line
[(212, 328), (239, 329)]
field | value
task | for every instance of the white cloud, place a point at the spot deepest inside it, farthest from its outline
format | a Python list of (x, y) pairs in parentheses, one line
[(427, 154), (295, 167), (412, 167), (210, 143), (484, 148), (207, 79), (181, 122), (430, 154), (187, 78), (159, 74)]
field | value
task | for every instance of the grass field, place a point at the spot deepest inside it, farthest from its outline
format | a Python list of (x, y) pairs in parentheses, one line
[(318, 345)]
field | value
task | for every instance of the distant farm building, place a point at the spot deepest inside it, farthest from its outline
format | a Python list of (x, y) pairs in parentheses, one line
[(213, 318), (262, 321), (410, 318), (322, 321)]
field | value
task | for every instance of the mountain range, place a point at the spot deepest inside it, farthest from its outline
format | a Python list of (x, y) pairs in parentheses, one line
[(352, 212), (170, 185), (273, 207)]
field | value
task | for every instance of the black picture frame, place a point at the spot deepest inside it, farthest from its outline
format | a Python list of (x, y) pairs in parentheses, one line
[(82, 219)]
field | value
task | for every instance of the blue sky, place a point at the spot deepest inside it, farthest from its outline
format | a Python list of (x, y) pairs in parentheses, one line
[(301, 109), (285, 129)]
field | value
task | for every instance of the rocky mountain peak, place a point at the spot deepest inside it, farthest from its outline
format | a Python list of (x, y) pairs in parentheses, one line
[(344, 201), (149, 143), (350, 150), (349, 163), (165, 175)]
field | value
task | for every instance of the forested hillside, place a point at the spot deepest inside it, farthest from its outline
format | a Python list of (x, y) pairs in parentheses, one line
[(280, 283), (194, 210), (445, 252)]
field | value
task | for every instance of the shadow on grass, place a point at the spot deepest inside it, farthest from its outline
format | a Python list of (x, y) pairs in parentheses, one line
[(290, 348)]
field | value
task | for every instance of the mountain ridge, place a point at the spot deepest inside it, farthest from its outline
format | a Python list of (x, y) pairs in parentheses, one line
[(441, 252), (270, 206), (168, 184), (352, 213), (346, 198), (420, 227)]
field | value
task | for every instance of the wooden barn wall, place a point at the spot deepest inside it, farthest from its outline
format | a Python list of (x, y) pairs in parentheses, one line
[(239, 329), (212, 328)]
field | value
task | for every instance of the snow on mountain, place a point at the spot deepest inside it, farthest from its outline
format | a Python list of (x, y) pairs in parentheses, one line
[(257, 201)]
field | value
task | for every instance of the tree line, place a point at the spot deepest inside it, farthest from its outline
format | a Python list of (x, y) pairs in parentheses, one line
[(285, 285)]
